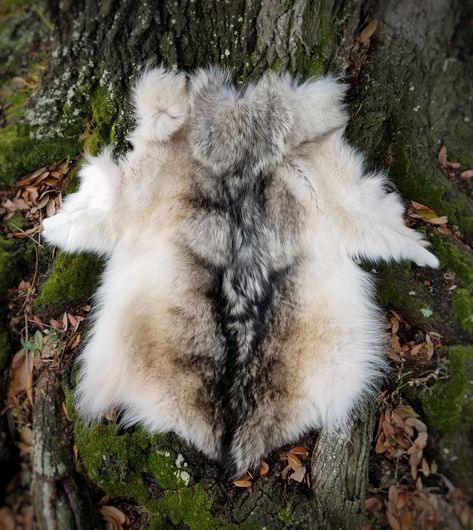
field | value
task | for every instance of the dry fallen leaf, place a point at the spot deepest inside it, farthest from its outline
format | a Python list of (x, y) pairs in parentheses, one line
[(298, 474), (26, 435), (442, 156), (421, 441), (393, 522), (244, 481), (7, 522), (468, 174), (300, 451), (114, 518), (368, 31), (425, 467), (293, 461), (373, 504), (263, 469), (443, 220)]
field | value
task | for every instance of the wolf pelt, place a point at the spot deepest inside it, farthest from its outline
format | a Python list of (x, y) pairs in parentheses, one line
[(232, 310)]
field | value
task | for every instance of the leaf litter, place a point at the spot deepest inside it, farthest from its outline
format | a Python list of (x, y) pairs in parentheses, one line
[(401, 438), (410, 489)]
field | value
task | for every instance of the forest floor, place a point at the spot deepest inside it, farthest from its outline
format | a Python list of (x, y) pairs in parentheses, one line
[(408, 488), (424, 411)]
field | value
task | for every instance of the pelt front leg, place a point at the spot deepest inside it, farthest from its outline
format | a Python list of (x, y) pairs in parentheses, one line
[(85, 221)]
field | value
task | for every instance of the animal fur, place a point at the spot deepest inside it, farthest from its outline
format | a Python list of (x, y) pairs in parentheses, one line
[(232, 310)]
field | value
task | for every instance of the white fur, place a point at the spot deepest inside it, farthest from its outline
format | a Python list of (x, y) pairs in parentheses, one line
[(161, 104), (351, 215)]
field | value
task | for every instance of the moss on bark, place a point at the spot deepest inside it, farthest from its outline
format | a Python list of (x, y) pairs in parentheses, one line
[(148, 470), (448, 406), (73, 279)]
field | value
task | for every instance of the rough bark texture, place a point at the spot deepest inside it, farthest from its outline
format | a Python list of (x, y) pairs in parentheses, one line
[(407, 91), (59, 497), (339, 473)]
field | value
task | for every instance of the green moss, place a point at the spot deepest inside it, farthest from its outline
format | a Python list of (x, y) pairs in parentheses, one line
[(449, 404), (6, 265), (73, 279), (20, 153), (417, 179), (7, 6), (276, 65), (454, 256), (398, 288), (190, 506), (462, 308), (122, 464), (15, 103), (16, 222), (285, 516), (101, 127)]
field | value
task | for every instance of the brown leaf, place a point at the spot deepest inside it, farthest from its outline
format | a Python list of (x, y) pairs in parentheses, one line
[(373, 504), (20, 204), (294, 461), (31, 178), (263, 469), (301, 451), (55, 324), (24, 448), (407, 519), (442, 157), (394, 357), (425, 467), (7, 522), (421, 441), (26, 435), (443, 220), (393, 522), (285, 472), (298, 474), (406, 412), (468, 174), (393, 494), (73, 342), (395, 344), (430, 346), (394, 325), (368, 31), (114, 518), (380, 448), (50, 208), (416, 349), (29, 232), (243, 483), (42, 203)]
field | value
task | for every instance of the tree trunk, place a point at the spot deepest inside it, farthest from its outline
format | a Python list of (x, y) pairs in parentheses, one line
[(407, 82)]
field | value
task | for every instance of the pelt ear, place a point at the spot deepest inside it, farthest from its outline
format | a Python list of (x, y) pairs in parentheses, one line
[(318, 108), (161, 102)]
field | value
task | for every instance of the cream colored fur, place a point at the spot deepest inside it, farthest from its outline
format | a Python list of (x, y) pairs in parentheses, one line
[(131, 211)]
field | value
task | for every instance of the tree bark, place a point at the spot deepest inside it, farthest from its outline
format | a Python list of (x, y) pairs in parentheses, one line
[(106, 44), (59, 498)]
